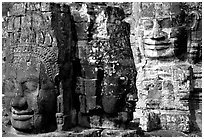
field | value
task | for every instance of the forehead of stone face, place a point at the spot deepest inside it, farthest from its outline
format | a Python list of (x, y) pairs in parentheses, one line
[(159, 9), (21, 69), (24, 62)]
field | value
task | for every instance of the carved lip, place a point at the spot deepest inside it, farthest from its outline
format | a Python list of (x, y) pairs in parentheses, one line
[(169, 52), (156, 47), (22, 115), (154, 44)]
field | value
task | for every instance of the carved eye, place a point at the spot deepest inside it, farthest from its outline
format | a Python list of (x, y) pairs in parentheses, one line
[(8, 85), (148, 24), (30, 86), (166, 23)]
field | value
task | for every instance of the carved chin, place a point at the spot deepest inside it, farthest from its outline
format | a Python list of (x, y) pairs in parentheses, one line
[(169, 52), (27, 123)]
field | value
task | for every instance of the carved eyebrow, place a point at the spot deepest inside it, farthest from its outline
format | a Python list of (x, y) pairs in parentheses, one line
[(31, 78)]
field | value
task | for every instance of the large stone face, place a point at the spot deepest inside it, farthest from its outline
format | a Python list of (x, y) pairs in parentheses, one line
[(164, 80), (108, 70), (38, 42), (38, 56)]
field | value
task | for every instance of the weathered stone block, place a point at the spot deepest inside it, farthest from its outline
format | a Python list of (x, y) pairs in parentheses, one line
[(18, 9), (149, 119), (38, 22), (74, 117), (80, 13), (101, 26), (109, 103), (181, 71), (83, 120), (82, 48), (198, 83), (96, 49), (86, 86), (46, 16), (182, 95), (82, 100), (88, 133), (197, 69), (45, 6), (175, 120), (134, 124), (89, 71), (122, 133), (90, 87), (10, 26), (81, 29), (196, 35), (164, 86), (17, 23), (91, 103), (33, 6), (25, 22), (196, 95), (95, 121), (16, 37), (147, 9), (124, 117), (108, 124)]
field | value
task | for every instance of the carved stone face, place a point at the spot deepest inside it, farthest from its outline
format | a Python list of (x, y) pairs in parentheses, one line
[(161, 30), (33, 106)]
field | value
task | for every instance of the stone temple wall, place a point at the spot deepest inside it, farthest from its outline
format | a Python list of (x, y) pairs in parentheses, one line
[(44, 31), (168, 92), (98, 57), (84, 34)]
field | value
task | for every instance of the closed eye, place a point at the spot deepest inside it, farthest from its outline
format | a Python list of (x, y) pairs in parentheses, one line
[(9, 85), (29, 86), (148, 24)]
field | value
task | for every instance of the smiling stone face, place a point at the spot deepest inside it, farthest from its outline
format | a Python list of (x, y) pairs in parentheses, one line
[(29, 80), (161, 32)]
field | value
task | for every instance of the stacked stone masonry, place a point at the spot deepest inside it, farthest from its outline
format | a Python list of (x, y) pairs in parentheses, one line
[(164, 92), (105, 81), (160, 104)]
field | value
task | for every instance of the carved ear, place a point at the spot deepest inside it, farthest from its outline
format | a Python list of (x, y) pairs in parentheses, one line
[(195, 18)]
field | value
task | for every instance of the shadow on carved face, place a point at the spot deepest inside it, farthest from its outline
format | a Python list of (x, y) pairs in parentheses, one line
[(163, 34), (34, 106)]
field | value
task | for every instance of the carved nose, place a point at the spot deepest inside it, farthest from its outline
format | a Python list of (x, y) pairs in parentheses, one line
[(19, 103), (157, 32)]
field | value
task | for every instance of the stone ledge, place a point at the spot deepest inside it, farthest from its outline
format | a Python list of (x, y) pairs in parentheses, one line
[(81, 132)]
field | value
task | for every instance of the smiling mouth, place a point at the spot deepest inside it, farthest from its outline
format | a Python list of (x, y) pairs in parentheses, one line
[(158, 45), (22, 115)]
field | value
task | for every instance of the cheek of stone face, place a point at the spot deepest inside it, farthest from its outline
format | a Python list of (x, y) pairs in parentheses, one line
[(8, 88), (37, 122), (46, 101), (22, 125), (168, 31), (146, 33), (178, 32)]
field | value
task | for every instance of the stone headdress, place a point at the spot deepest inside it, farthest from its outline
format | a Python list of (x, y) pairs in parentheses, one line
[(30, 40)]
